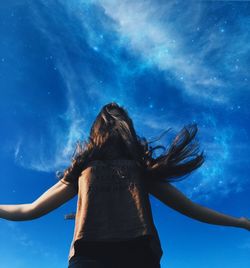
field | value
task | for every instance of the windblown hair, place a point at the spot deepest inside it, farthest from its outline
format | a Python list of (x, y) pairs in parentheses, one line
[(112, 136)]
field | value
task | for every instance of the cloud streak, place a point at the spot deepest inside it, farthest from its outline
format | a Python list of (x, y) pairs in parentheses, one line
[(149, 29), (62, 141), (169, 36)]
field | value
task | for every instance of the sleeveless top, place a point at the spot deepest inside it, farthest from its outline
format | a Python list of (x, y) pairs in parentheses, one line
[(113, 205)]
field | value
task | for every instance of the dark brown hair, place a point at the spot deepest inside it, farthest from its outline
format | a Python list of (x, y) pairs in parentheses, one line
[(112, 136)]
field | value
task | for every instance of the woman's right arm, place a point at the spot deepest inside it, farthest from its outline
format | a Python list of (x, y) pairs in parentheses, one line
[(172, 197), (54, 197)]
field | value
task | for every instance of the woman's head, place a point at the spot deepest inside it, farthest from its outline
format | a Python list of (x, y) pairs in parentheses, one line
[(112, 135)]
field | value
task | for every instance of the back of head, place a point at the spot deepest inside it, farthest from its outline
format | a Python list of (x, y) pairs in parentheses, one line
[(112, 136)]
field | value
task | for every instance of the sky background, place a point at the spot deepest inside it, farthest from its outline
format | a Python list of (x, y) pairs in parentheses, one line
[(169, 63)]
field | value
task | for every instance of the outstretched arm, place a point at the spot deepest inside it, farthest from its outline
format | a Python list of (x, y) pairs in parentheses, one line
[(172, 197), (54, 197)]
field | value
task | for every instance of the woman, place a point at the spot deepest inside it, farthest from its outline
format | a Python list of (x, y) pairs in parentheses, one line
[(113, 173)]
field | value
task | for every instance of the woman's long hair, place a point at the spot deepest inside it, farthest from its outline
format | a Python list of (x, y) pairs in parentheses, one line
[(112, 136)]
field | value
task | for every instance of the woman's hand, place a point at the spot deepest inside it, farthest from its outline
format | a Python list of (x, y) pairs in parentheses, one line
[(245, 223)]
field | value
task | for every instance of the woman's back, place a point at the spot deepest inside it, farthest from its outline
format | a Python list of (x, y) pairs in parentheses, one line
[(113, 207)]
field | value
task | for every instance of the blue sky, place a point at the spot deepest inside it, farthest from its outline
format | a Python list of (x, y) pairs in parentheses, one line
[(169, 63)]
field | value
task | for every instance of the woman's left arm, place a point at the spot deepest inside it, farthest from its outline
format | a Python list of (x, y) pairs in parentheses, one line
[(172, 197)]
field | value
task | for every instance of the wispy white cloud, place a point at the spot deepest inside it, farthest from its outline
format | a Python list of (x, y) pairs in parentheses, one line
[(150, 29), (62, 141), (17, 148)]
